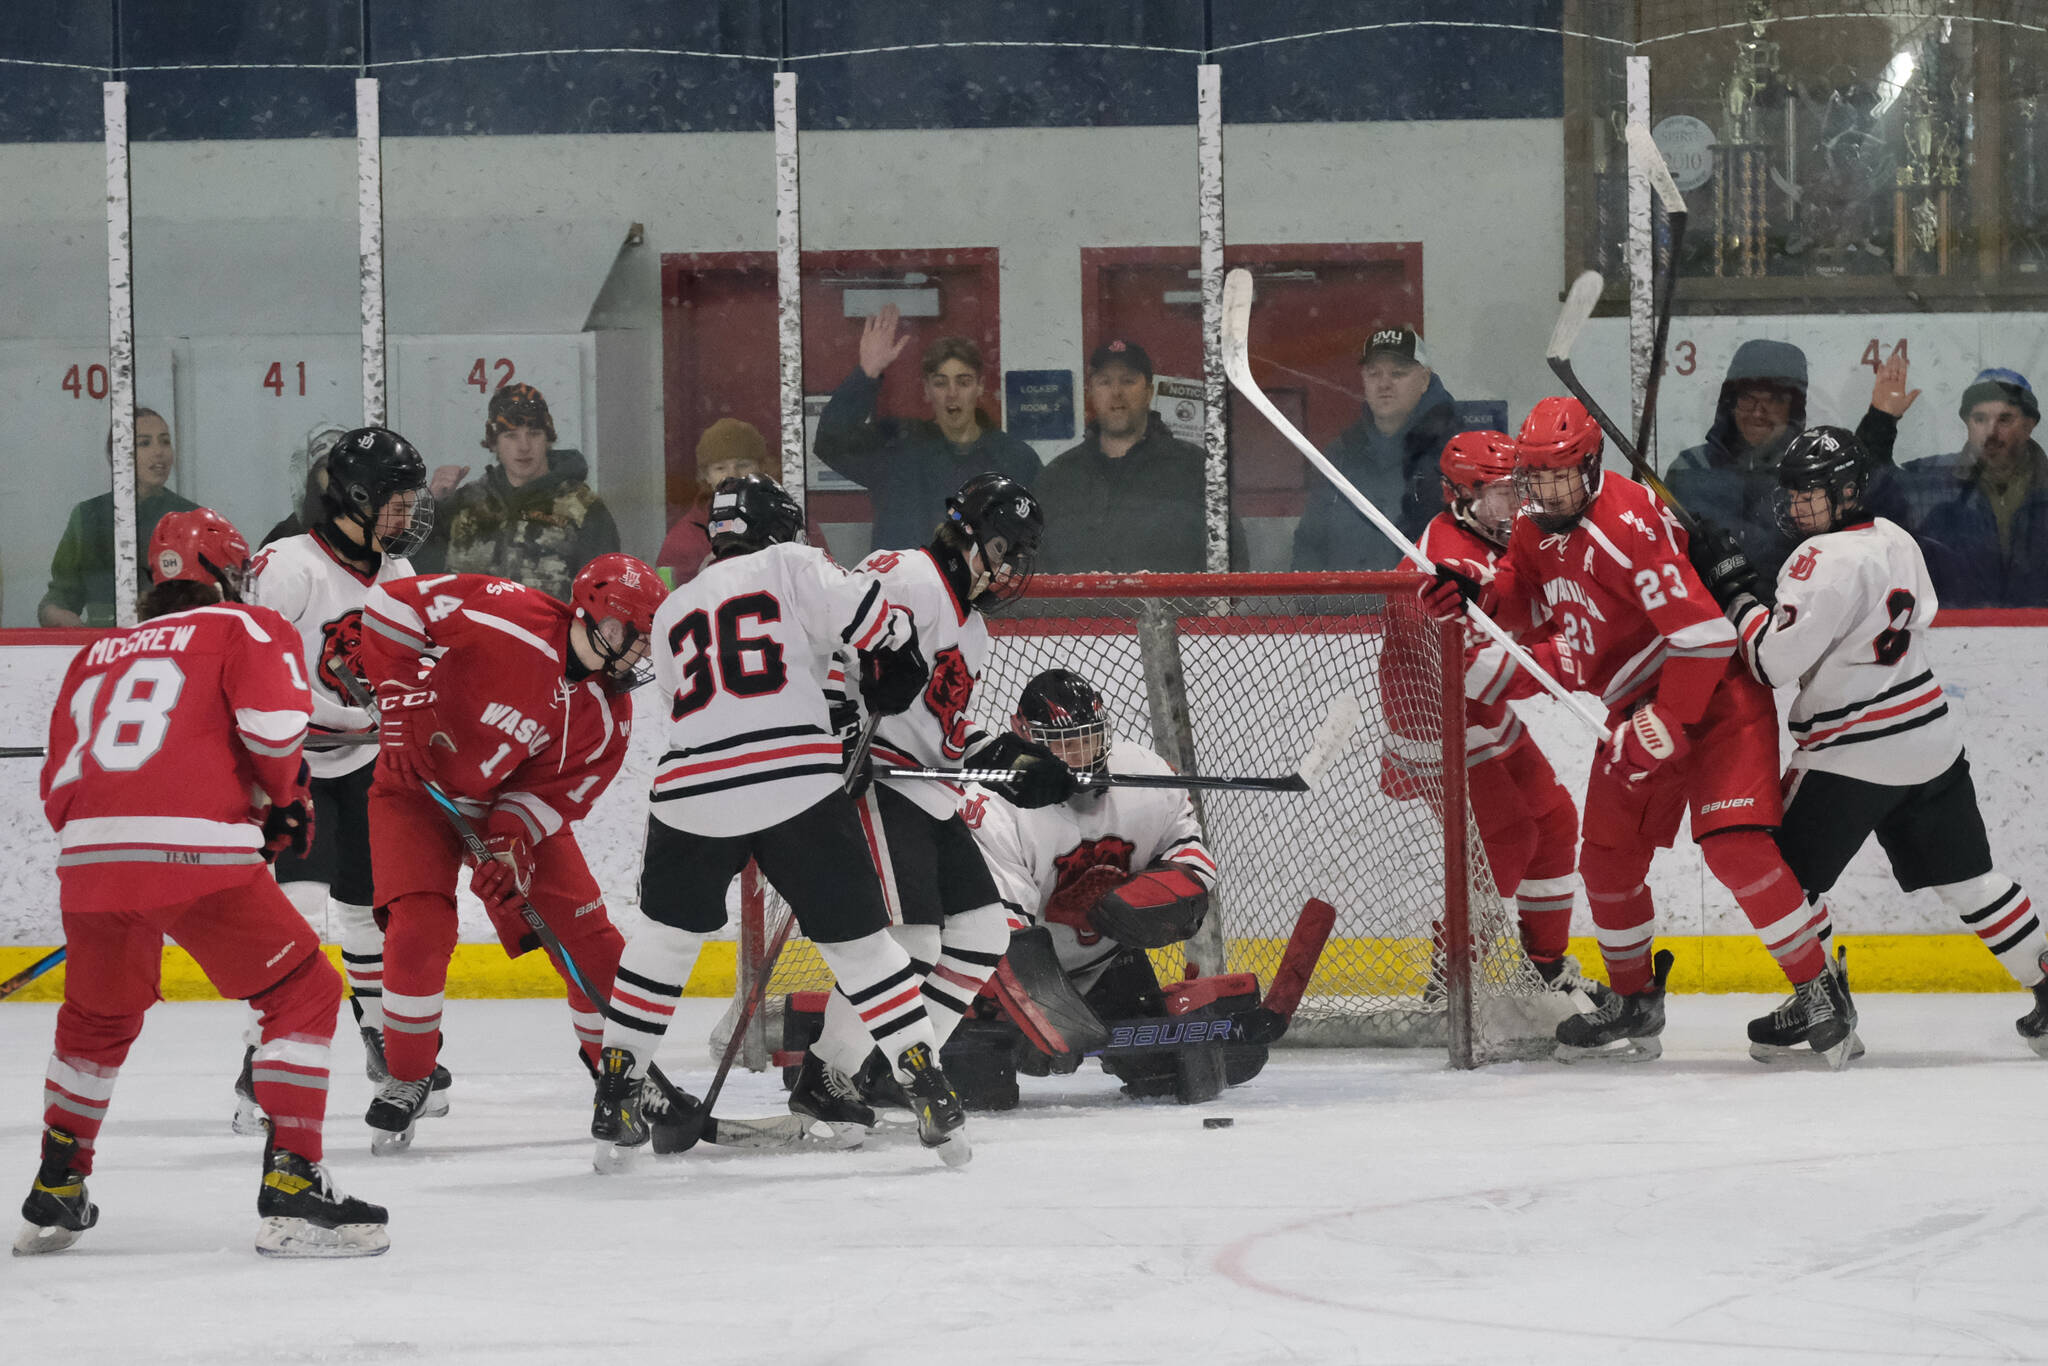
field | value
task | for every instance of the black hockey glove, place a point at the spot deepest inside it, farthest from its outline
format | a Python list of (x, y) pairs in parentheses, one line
[(1722, 565), (288, 827), (1039, 778), (890, 680)]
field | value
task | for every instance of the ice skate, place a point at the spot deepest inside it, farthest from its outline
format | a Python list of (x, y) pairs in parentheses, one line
[(676, 1129), (826, 1094), (1563, 975), (941, 1123), (305, 1216), (373, 1055), (248, 1118), (1620, 1028), (1820, 1014), (2033, 1026), (880, 1089), (58, 1209), (398, 1108), (617, 1121)]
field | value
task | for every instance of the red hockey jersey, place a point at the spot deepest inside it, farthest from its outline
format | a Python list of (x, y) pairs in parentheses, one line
[(1630, 616), (527, 742), (162, 738)]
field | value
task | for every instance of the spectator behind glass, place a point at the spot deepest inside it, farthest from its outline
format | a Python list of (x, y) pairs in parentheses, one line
[(728, 448), (1131, 496), (309, 513), (1390, 453), (1731, 478), (1981, 514), (532, 517), (82, 571), (910, 465)]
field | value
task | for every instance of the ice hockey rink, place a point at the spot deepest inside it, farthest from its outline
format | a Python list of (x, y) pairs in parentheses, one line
[(1363, 1207)]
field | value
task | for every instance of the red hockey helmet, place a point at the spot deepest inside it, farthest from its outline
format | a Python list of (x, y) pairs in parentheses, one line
[(199, 546), (618, 595), (1557, 461), (1478, 472)]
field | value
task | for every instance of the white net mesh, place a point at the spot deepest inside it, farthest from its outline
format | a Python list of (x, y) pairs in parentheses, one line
[(1246, 681)]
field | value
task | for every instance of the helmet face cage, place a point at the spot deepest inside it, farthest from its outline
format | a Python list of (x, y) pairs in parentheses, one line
[(1829, 460), (404, 528), (614, 640), (1004, 522), (1551, 521), (617, 597), (367, 471), (1063, 711)]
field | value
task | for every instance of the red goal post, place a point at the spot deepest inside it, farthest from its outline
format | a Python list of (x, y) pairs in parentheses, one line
[(1230, 674)]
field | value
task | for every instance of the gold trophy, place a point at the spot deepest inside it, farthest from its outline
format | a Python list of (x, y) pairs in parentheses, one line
[(1742, 179), (1927, 177)]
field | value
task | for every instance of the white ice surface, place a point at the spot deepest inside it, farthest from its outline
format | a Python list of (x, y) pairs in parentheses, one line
[(1369, 1207)]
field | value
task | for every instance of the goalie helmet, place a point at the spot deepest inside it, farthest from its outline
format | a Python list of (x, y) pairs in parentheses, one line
[(1478, 471), (1001, 518), (1558, 438), (376, 479), (199, 546), (1063, 711), (1829, 460), (750, 512), (617, 595)]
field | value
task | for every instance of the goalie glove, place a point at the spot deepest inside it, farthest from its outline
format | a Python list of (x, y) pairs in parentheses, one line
[(1645, 742), (1038, 777), (1160, 906)]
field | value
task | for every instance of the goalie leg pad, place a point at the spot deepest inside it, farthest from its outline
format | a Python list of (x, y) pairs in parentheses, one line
[(1160, 906), (1038, 995), (981, 1062), (1202, 1072)]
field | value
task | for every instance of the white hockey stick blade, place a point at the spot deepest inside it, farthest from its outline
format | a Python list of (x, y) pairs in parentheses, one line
[(1332, 738), (781, 1132), (1571, 319), (1643, 149)]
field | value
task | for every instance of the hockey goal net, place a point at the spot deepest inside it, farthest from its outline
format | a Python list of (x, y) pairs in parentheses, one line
[(1231, 675)]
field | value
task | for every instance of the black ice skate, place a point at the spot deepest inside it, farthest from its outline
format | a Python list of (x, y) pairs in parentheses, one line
[(2033, 1026), (940, 1120), (676, 1128), (373, 1055), (305, 1216), (616, 1120), (57, 1209), (879, 1087), (1563, 975), (398, 1108), (1620, 1028), (826, 1094), (248, 1118), (1820, 1014)]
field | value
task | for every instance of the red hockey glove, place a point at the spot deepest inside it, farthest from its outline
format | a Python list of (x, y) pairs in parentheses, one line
[(1645, 742), (1457, 582), (502, 879), (1163, 905), (406, 729), (1408, 780)]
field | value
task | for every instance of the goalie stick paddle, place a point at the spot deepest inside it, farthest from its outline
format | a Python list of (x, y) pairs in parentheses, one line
[(1237, 321), (31, 972)]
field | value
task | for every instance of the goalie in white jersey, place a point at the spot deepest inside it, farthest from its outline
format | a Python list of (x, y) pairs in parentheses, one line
[(376, 512), (1879, 751), (752, 771)]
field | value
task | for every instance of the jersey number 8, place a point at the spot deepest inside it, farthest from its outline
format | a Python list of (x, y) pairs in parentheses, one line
[(748, 666)]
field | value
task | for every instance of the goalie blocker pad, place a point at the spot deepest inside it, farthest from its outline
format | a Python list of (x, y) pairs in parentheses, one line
[(1160, 906), (1038, 995)]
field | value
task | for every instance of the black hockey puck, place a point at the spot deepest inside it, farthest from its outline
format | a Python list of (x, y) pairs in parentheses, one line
[(1217, 1122)]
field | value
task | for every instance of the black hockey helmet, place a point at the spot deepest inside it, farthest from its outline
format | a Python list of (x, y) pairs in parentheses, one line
[(749, 511), (1059, 707), (1828, 459), (1004, 521), (370, 473)]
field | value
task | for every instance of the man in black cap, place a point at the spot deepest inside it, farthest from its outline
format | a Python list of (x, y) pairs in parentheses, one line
[(1981, 514), (1390, 453), (1131, 496)]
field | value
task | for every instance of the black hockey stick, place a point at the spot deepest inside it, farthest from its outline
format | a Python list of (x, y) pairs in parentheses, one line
[(862, 743), (31, 972), (748, 1008), (316, 744)]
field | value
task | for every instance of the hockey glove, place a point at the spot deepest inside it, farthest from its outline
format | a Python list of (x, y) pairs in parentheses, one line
[(406, 729), (1408, 780), (890, 680), (1645, 742), (1722, 565), (1456, 583), (288, 827), (501, 881), (1160, 906), (1073, 900), (1038, 778)]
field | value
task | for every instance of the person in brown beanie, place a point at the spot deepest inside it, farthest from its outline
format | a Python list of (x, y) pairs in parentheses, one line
[(729, 447), (533, 517)]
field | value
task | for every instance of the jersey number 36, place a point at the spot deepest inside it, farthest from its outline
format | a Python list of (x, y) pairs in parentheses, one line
[(748, 666)]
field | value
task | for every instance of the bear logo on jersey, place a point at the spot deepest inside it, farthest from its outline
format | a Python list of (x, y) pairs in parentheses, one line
[(1082, 875), (947, 695), (341, 640)]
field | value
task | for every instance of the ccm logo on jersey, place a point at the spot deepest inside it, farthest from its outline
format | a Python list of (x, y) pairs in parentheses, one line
[(1727, 805), (1172, 1031), (523, 730)]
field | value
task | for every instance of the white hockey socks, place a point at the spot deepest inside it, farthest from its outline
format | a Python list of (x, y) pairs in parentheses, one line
[(877, 1001), (362, 959), (652, 972), (972, 944), (1999, 912)]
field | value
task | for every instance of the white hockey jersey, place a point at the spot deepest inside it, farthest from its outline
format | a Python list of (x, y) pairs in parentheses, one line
[(936, 731), (1850, 631), (322, 596), (741, 654), (1032, 854)]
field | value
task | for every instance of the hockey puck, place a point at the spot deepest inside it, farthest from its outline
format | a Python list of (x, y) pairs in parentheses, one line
[(1217, 1122)]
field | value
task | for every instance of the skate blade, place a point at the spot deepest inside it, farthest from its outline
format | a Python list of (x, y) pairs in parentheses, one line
[(1843, 1053), (2039, 1045), (384, 1143), (954, 1151), (284, 1237), (35, 1240), (1621, 1050), (248, 1120), (611, 1159), (436, 1107), (1799, 1055)]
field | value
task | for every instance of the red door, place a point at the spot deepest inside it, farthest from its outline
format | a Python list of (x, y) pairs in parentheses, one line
[(1316, 304)]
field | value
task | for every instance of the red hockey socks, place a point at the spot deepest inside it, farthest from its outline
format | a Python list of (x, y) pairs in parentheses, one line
[(290, 1067), (1748, 864), (1543, 900), (595, 944), (1624, 916), (418, 944)]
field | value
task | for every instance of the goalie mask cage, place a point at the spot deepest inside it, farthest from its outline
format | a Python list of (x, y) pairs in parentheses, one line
[(1231, 675)]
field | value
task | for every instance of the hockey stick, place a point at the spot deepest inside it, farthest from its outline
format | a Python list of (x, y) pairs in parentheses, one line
[(1645, 149), (862, 743), (1237, 321), (316, 744), (706, 1120), (31, 972)]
